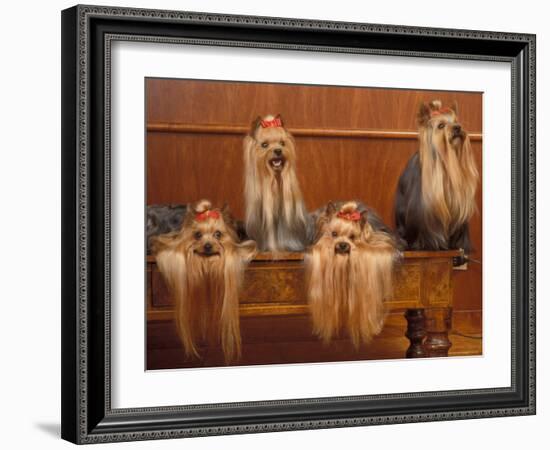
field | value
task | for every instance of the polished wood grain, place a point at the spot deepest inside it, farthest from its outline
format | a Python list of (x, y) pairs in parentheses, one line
[(302, 106), (167, 127), (288, 339), (416, 332), (423, 279), (299, 256), (438, 325)]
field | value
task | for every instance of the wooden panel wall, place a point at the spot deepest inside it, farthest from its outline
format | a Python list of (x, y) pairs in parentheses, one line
[(351, 143)]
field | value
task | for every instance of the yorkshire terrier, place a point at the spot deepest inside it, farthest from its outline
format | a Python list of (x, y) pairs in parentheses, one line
[(203, 265), (275, 212), (435, 196), (166, 218), (349, 272)]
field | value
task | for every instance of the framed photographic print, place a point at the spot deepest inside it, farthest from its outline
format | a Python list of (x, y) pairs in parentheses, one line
[(278, 224)]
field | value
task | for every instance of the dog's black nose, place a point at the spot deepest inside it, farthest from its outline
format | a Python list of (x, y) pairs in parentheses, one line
[(457, 129), (207, 247), (278, 151), (342, 247)]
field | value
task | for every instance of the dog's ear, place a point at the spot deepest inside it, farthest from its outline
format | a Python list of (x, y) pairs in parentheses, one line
[(330, 210), (290, 137), (316, 224), (163, 242), (254, 126), (249, 143), (278, 116), (364, 219), (454, 107), (189, 216), (227, 216), (423, 115), (247, 250)]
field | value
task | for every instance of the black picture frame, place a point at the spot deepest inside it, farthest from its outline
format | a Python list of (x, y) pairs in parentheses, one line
[(87, 32)]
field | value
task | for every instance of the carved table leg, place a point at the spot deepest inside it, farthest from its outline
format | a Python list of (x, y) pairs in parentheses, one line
[(416, 332), (438, 324)]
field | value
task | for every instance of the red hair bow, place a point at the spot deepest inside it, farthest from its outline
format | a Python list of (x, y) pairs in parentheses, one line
[(440, 111), (273, 123), (201, 217), (352, 216)]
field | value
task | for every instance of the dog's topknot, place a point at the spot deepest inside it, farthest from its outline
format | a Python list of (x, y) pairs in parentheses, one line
[(428, 110), (348, 207), (435, 105), (202, 206), (265, 121)]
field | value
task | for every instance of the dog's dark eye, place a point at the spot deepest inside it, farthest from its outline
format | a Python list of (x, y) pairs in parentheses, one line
[(334, 234), (352, 236), (282, 143), (441, 125), (218, 234), (197, 235), (265, 145)]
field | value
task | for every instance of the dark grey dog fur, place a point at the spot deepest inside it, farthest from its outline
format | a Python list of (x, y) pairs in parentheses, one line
[(162, 219)]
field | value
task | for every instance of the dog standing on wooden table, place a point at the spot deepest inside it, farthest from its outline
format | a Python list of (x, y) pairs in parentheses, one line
[(435, 196)]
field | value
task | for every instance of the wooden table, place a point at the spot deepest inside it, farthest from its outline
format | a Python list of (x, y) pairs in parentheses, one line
[(423, 291)]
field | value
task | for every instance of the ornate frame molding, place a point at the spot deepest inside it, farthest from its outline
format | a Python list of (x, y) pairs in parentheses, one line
[(85, 422)]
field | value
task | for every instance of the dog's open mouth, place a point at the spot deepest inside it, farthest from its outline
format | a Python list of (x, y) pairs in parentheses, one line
[(342, 249), (341, 252), (458, 135), (206, 254), (277, 163)]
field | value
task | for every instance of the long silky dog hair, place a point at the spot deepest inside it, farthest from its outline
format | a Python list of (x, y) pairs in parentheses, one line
[(349, 272), (203, 265), (275, 212), (435, 196)]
